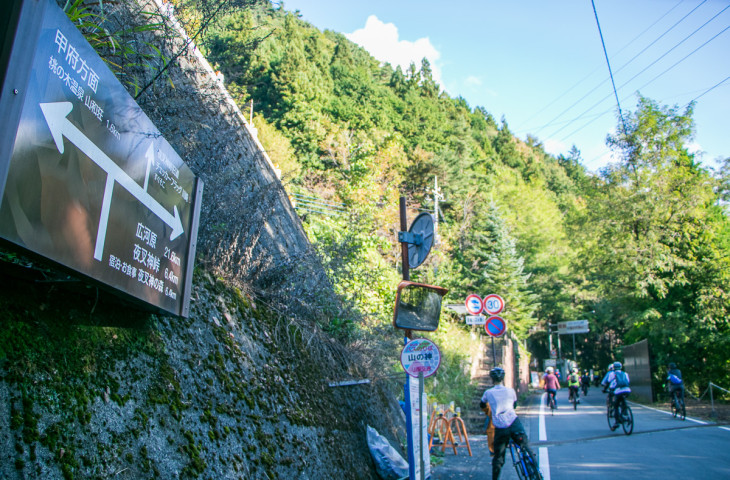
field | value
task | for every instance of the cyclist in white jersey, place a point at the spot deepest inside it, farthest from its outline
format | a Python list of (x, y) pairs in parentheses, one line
[(502, 401), (617, 382)]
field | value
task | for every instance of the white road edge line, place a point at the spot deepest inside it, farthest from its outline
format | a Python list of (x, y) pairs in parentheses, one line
[(543, 460), (667, 413), (725, 428)]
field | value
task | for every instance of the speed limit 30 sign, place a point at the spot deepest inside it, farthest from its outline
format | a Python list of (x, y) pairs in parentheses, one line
[(493, 304)]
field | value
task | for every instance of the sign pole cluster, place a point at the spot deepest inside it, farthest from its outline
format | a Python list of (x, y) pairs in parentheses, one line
[(494, 325), (417, 307)]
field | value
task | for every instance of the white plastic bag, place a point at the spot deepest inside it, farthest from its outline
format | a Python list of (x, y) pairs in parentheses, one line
[(389, 464)]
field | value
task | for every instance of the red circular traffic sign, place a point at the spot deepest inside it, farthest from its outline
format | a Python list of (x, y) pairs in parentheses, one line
[(495, 326), (493, 304), (474, 304)]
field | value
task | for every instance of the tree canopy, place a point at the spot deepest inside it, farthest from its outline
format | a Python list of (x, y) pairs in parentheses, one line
[(640, 248)]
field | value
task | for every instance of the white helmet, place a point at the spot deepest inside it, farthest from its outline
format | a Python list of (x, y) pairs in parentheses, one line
[(550, 370)]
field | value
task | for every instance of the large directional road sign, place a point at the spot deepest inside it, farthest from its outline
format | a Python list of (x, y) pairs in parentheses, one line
[(87, 180)]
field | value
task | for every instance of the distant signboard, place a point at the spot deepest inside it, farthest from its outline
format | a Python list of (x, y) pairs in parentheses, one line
[(475, 319), (86, 179), (577, 326)]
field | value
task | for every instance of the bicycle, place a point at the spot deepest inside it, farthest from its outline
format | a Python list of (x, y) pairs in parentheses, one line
[(573, 397), (584, 387), (626, 417), (526, 466), (678, 407), (551, 402)]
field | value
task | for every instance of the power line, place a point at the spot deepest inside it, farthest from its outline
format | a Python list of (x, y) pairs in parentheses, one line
[(646, 84), (662, 35), (609, 65), (629, 43), (688, 55), (709, 90), (582, 115), (645, 69)]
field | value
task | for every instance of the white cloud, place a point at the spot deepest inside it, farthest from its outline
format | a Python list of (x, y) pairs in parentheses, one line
[(555, 147), (381, 40), (472, 81)]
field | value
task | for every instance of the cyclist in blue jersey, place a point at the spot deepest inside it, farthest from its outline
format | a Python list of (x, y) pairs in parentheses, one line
[(674, 381)]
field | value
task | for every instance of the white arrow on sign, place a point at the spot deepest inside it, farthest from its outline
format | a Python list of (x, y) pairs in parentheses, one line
[(60, 127)]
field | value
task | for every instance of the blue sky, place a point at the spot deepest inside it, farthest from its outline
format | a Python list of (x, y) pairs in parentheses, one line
[(541, 65)]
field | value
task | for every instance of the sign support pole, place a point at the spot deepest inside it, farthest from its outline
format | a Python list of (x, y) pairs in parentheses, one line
[(574, 347), (403, 245), (494, 354), (420, 425)]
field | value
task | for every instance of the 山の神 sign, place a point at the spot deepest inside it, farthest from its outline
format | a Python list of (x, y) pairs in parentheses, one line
[(420, 356), (91, 183)]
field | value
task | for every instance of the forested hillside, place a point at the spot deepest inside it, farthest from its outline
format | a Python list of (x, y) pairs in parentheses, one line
[(639, 248)]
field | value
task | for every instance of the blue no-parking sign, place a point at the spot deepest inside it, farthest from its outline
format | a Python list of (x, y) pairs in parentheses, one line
[(495, 326)]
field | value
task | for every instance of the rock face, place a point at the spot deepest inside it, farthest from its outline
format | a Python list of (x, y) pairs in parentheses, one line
[(93, 388), (232, 392)]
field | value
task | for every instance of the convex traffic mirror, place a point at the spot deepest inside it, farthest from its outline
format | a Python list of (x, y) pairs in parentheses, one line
[(418, 306)]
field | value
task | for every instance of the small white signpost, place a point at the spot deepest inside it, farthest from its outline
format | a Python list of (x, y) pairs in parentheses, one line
[(420, 358), (475, 319)]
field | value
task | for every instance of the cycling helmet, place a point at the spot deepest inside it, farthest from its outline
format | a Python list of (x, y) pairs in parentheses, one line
[(617, 365), (497, 374), (549, 370), (672, 365), (575, 370)]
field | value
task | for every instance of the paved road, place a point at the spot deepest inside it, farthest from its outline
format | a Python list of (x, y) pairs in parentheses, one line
[(578, 444)]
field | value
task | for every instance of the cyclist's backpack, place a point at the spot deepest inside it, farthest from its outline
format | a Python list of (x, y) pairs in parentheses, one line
[(622, 381), (675, 380)]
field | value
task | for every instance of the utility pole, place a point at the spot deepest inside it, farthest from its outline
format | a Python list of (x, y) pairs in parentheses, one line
[(436, 197)]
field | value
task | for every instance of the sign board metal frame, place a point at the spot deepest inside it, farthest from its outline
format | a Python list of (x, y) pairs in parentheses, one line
[(86, 180)]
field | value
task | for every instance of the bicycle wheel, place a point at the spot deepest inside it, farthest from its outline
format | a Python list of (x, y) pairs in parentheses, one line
[(674, 405), (627, 418), (609, 416), (682, 409), (576, 395), (516, 453), (533, 469)]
